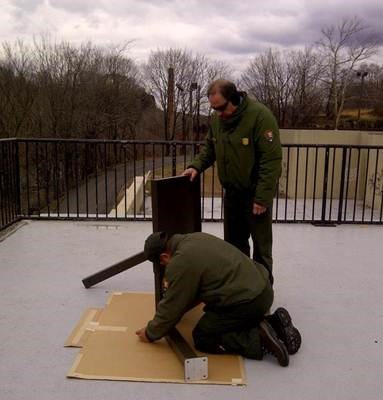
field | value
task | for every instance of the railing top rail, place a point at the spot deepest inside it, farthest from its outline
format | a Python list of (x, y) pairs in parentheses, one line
[(8, 139), (121, 141), (180, 142), (332, 146)]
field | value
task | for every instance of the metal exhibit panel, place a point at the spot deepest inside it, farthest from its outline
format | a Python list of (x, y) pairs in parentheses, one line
[(176, 208), (176, 204)]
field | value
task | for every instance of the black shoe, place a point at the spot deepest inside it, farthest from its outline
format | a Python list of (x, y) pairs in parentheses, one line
[(272, 345), (286, 331)]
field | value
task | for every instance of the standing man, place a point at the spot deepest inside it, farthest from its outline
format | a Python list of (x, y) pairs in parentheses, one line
[(236, 291), (244, 140)]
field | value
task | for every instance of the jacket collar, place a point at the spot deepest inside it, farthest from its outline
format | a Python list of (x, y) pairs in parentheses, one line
[(234, 119), (174, 242)]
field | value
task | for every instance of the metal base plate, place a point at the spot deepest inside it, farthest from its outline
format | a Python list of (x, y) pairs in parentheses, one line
[(196, 369)]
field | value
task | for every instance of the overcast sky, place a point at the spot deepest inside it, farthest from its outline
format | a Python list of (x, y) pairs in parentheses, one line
[(228, 30)]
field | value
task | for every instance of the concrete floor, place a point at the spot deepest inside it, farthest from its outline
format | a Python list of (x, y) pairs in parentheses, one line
[(329, 278)]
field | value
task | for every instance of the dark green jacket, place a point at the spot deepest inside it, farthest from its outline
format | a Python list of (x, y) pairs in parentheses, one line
[(208, 269), (247, 149)]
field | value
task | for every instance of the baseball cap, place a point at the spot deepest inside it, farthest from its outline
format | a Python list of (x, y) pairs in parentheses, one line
[(155, 244)]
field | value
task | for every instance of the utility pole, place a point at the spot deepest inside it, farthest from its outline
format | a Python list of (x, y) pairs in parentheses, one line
[(169, 128), (170, 120)]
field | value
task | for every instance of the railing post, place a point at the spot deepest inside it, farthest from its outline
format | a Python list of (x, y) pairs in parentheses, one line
[(325, 184), (18, 182), (174, 158), (341, 189)]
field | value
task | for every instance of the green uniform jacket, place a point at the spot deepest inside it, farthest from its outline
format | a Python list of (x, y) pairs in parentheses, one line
[(204, 268), (247, 149)]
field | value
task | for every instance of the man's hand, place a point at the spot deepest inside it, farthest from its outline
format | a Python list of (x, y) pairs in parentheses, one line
[(191, 172), (258, 209), (141, 333)]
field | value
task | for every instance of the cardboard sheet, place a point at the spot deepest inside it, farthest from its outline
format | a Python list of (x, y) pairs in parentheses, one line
[(87, 323), (112, 351)]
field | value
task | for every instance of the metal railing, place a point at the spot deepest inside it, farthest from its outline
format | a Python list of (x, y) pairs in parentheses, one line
[(100, 180), (330, 184)]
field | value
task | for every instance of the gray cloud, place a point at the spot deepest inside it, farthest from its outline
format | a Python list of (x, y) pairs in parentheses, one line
[(319, 16), (27, 6), (218, 28), (74, 6)]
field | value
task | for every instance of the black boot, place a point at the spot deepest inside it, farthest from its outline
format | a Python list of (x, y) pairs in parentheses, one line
[(272, 345), (286, 331)]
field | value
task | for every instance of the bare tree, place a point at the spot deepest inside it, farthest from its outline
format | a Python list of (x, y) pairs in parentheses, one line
[(374, 87), (57, 89), (17, 90), (343, 48), (306, 92), (156, 76), (193, 72), (283, 81), (268, 78)]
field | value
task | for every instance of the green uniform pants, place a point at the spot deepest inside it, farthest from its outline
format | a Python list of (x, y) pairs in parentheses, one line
[(240, 223), (233, 329)]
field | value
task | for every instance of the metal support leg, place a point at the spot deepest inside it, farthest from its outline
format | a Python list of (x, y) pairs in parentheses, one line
[(114, 270), (196, 367)]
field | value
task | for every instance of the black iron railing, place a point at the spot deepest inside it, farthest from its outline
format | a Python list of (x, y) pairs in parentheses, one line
[(105, 180), (330, 184)]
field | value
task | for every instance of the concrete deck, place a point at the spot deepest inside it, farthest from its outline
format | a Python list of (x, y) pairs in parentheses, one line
[(330, 279)]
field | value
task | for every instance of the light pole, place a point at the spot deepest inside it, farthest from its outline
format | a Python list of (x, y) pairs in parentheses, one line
[(181, 92), (193, 86), (198, 110), (361, 75)]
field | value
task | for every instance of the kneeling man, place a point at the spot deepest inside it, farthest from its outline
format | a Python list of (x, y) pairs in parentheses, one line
[(236, 292)]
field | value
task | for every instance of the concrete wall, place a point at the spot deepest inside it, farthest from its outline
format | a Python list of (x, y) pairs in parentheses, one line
[(295, 136), (366, 186)]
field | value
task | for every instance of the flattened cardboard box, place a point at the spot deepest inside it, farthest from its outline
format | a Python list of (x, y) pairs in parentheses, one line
[(111, 350), (85, 325)]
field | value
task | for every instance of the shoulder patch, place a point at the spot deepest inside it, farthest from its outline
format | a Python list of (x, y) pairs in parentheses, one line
[(269, 136)]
